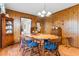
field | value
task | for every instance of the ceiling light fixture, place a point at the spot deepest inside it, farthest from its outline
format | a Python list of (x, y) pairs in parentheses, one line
[(44, 13)]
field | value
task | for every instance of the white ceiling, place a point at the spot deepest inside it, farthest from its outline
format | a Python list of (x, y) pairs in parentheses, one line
[(33, 8)]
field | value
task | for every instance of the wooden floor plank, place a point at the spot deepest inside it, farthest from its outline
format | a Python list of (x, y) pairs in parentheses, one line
[(14, 50)]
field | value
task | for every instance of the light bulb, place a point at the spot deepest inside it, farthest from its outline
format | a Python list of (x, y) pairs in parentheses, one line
[(43, 12), (42, 15), (39, 13), (48, 14), (56, 27)]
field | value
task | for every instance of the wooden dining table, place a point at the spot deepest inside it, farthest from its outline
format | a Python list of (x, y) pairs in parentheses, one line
[(44, 36), (39, 38)]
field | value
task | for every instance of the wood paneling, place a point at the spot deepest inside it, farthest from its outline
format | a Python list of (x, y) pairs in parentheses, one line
[(0, 31), (68, 20), (16, 16), (41, 21)]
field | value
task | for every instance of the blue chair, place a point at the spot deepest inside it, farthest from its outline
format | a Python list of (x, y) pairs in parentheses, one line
[(50, 46), (30, 45)]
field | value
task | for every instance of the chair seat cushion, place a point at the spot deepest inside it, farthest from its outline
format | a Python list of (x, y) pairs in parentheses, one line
[(32, 44), (52, 46)]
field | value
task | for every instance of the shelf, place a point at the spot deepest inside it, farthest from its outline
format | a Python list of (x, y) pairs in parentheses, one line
[(9, 27)]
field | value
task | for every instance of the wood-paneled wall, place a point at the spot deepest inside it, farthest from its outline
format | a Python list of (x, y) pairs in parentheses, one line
[(68, 20), (16, 16)]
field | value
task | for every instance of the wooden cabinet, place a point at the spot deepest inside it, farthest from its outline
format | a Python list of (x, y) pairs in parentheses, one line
[(0, 31), (56, 31), (6, 31)]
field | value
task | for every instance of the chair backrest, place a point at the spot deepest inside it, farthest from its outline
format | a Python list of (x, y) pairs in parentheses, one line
[(54, 45), (26, 40), (56, 42), (46, 42), (50, 45), (29, 41)]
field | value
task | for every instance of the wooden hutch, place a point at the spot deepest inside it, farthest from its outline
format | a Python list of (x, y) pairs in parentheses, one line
[(6, 31)]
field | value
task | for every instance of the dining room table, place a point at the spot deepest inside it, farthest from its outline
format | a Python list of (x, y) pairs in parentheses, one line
[(39, 38), (43, 36)]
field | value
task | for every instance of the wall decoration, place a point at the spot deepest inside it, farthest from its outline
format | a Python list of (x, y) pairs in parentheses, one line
[(38, 26)]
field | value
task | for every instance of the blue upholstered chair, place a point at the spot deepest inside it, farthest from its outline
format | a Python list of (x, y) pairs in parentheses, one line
[(29, 44), (50, 46), (32, 44)]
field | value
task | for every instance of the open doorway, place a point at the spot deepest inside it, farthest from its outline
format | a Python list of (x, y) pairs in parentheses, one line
[(25, 26)]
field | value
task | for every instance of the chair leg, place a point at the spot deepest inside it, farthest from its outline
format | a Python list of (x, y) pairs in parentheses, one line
[(45, 52), (35, 51), (57, 53), (31, 52), (24, 51)]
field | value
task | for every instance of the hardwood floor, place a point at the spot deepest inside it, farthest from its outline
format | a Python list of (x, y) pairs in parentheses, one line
[(14, 50), (68, 51)]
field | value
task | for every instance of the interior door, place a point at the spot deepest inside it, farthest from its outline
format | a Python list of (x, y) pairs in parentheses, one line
[(26, 26)]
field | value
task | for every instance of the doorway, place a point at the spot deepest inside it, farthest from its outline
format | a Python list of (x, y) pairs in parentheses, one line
[(25, 26)]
